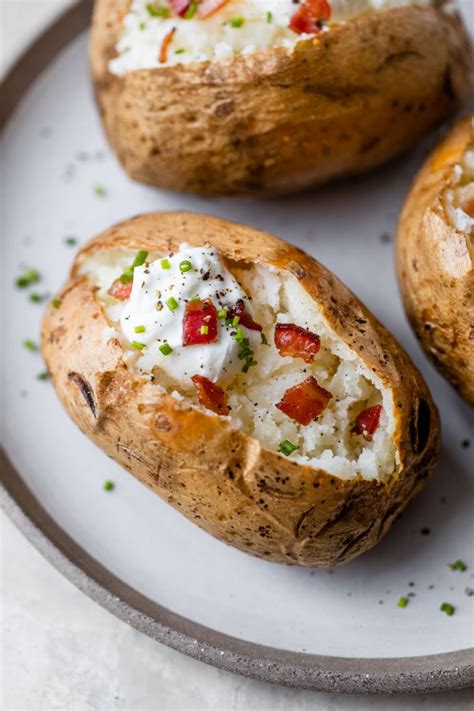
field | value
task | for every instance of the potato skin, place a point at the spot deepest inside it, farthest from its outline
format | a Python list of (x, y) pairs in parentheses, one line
[(223, 480), (271, 122), (436, 266)]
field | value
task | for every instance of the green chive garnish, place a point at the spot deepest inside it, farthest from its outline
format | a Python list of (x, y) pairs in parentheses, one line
[(459, 565), (140, 258), (239, 336), (204, 330), (237, 22), (44, 375), (36, 298), (138, 346), (403, 602), (447, 608), (269, 17), (70, 241), (100, 191), (185, 265), (249, 364), (222, 313), (166, 349), (179, 51), (286, 447), (139, 329), (142, 25), (235, 321), (157, 10), (263, 339), (56, 303), (171, 303), (31, 276), (30, 345), (108, 485), (191, 11), (165, 263)]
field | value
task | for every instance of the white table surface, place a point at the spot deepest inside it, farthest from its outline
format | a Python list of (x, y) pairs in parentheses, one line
[(62, 651)]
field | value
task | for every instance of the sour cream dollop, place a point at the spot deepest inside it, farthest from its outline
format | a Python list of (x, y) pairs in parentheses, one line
[(161, 284)]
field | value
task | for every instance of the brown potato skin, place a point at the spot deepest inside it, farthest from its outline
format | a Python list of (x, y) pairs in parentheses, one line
[(271, 122), (220, 478), (436, 266)]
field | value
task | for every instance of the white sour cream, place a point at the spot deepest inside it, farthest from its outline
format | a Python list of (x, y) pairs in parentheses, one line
[(463, 195), (154, 286), (259, 25)]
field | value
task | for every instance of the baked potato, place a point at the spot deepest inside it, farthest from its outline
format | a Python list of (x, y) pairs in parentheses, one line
[(435, 252), (272, 97), (243, 383)]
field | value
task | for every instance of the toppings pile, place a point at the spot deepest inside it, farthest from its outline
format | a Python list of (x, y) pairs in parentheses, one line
[(187, 315), (308, 18)]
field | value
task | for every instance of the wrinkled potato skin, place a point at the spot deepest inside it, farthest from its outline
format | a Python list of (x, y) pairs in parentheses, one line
[(436, 266), (223, 480), (273, 122)]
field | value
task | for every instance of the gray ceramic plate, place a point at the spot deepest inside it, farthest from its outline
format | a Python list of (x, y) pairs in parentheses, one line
[(332, 630)]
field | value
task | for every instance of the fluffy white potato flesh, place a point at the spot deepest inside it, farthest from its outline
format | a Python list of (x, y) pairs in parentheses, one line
[(275, 297), (460, 200)]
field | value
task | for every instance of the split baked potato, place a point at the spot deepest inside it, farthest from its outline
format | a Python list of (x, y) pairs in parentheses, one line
[(243, 383), (435, 252), (245, 96)]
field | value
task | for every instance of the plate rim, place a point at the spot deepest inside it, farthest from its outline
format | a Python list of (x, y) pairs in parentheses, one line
[(421, 674)]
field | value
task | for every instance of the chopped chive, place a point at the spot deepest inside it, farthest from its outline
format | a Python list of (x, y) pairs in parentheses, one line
[(179, 51), (142, 25), (166, 349), (249, 364), (140, 258), (195, 299), (236, 22), (36, 298), (245, 354), (286, 447), (204, 330), (239, 336), (44, 375), (155, 10), (126, 277), (447, 608), (185, 265), (263, 339), (222, 313), (403, 602), (138, 346), (30, 345), (459, 565), (100, 191), (165, 263), (70, 241), (139, 329), (269, 17), (31, 276), (191, 11), (108, 485), (235, 321), (56, 303), (171, 303)]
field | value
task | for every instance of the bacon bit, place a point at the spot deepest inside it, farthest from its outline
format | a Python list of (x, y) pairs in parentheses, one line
[(198, 314), (209, 7), (210, 395), (245, 318), (305, 402), (307, 18), (165, 45), (120, 291), (367, 422), (180, 7), (296, 342)]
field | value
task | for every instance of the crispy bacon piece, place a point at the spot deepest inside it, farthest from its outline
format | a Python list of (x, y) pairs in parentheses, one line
[(120, 291), (308, 16), (180, 7), (305, 402), (209, 7), (200, 323), (367, 422), (210, 395), (165, 45), (245, 318), (296, 342)]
